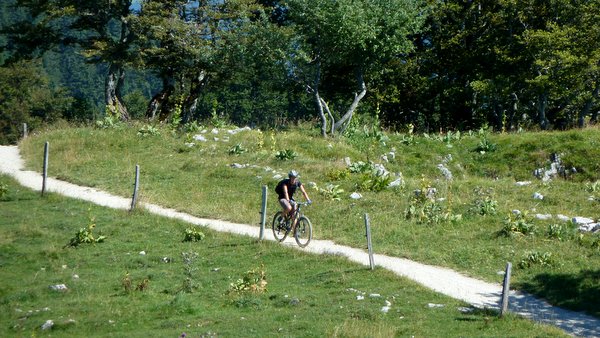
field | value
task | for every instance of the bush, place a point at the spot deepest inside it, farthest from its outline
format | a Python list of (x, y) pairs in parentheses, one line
[(286, 155), (192, 235), (517, 224)]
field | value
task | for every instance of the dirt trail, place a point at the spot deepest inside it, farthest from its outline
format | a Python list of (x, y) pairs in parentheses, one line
[(475, 292)]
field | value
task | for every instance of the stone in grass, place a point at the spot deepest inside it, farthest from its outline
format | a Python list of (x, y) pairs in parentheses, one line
[(355, 196), (47, 325), (59, 287), (543, 216), (433, 305), (582, 220), (538, 196)]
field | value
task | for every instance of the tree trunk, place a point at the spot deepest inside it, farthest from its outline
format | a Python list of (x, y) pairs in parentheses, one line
[(345, 120), (318, 100), (158, 105), (112, 87), (587, 107), (542, 104), (191, 103)]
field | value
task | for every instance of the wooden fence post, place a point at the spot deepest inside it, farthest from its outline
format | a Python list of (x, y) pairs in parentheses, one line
[(135, 187), (369, 246), (45, 169), (263, 213), (506, 289)]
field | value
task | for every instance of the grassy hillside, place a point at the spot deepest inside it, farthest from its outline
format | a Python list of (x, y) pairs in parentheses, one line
[(197, 288), (468, 225)]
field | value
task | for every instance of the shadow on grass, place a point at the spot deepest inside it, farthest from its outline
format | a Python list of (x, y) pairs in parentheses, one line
[(579, 292)]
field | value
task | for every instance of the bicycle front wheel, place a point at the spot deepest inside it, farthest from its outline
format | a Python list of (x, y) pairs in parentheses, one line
[(303, 233), (280, 231)]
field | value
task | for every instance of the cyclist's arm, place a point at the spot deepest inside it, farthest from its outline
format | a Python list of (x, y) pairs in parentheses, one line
[(285, 192), (304, 192)]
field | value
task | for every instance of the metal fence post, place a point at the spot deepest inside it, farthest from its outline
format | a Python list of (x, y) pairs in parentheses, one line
[(45, 169), (370, 247), (263, 213), (506, 289), (135, 187)]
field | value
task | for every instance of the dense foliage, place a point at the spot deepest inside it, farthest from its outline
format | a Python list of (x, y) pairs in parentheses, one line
[(450, 65)]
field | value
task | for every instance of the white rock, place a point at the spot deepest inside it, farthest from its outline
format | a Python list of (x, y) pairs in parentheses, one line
[(385, 309), (538, 196), (59, 287), (384, 158), (563, 217), (543, 216), (277, 177), (432, 305), (465, 309), (523, 183), (200, 138), (190, 144), (582, 220), (312, 184), (374, 295), (215, 138), (516, 212), (360, 297), (215, 131), (75, 276), (387, 303), (143, 253), (589, 227), (355, 196), (47, 325), (347, 161), (238, 166), (64, 266), (396, 183), (235, 131)]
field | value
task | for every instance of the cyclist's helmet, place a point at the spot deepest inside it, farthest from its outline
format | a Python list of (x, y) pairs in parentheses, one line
[(293, 173)]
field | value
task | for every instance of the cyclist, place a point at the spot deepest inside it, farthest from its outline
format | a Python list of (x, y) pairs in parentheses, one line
[(285, 190)]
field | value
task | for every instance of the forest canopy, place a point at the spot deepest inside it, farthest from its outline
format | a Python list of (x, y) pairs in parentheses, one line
[(435, 65)]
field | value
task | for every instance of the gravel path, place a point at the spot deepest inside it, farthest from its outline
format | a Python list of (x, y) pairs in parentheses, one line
[(475, 292)]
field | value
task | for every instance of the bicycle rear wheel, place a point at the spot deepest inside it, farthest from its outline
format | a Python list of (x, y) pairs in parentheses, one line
[(280, 231), (303, 233)]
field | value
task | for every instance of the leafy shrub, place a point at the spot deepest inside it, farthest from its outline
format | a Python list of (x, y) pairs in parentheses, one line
[(485, 146), (193, 235), (337, 174), (332, 192), (148, 130), (192, 127), (534, 258), (109, 121), (3, 190), (561, 231), (254, 281), (86, 235), (361, 167), (189, 284), (517, 224), (374, 181), (286, 155), (484, 204), (425, 208), (237, 149)]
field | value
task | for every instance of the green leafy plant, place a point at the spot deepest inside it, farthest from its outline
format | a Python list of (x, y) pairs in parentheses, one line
[(424, 207), (561, 231), (361, 167), (518, 224), (337, 174), (110, 120), (86, 235), (148, 130), (3, 190), (193, 235), (192, 127), (189, 271), (484, 204), (331, 191), (535, 258), (374, 181), (254, 281), (237, 149), (485, 146), (286, 155)]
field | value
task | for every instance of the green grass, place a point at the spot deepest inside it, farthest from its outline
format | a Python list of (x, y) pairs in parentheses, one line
[(201, 181), (307, 295)]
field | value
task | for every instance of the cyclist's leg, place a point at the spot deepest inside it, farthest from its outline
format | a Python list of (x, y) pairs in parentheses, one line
[(286, 206)]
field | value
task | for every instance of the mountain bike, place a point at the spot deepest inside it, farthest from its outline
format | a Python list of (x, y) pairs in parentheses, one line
[(298, 224)]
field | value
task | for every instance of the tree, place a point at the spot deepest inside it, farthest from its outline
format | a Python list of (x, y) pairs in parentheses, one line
[(356, 36), (100, 28)]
